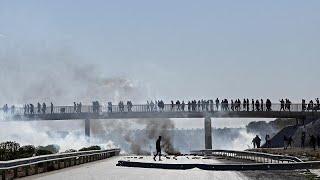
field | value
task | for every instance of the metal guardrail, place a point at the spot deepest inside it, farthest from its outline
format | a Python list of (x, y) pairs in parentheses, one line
[(249, 155), (34, 165), (211, 107), (37, 159)]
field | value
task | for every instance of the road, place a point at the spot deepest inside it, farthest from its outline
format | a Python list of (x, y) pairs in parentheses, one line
[(107, 169)]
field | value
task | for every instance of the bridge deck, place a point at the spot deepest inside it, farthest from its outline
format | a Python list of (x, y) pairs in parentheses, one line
[(136, 115)]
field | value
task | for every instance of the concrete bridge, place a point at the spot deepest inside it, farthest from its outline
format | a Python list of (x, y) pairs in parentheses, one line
[(167, 111)]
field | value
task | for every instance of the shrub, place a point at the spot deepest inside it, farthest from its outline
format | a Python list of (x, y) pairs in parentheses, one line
[(43, 152), (70, 151), (90, 148), (9, 150), (26, 151), (52, 148)]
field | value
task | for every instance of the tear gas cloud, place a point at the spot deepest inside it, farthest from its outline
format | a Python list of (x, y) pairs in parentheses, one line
[(61, 79)]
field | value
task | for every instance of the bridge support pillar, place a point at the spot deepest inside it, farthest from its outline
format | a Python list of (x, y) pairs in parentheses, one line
[(87, 128), (207, 133)]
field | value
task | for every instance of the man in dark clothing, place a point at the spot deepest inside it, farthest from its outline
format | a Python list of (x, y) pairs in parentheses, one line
[(303, 138), (158, 147), (51, 107), (290, 141), (313, 142), (258, 141)]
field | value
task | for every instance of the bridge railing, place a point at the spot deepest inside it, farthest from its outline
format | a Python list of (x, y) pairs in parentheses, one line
[(249, 155), (275, 107)]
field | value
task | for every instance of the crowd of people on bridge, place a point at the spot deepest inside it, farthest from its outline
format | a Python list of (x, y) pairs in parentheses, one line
[(311, 106), (41, 108), (159, 106)]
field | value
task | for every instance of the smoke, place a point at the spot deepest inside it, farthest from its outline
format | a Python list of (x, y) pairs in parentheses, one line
[(161, 127), (140, 142), (60, 77), (39, 135)]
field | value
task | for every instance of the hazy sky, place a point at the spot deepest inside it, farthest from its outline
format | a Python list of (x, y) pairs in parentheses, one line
[(175, 49)]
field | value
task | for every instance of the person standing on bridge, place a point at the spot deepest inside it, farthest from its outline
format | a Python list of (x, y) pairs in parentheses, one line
[(217, 104), (303, 105), (281, 104), (244, 105), (44, 108), (252, 104), (51, 107), (257, 105), (31, 109), (74, 107), (183, 104), (158, 148), (39, 108)]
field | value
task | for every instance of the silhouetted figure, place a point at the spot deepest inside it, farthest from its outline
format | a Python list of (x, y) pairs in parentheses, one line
[(268, 105), (268, 141), (12, 109), (183, 104), (285, 142), (232, 105), (74, 107), (257, 105), (31, 109), (248, 105), (5, 108), (44, 108), (217, 104), (288, 105), (158, 148), (303, 139), (261, 104), (51, 108), (80, 106), (39, 108), (281, 104), (290, 141), (254, 143), (25, 109), (303, 105), (28, 108), (252, 104), (313, 142), (258, 141)]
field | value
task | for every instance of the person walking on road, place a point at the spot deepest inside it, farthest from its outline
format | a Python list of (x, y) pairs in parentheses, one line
[(158, 147)]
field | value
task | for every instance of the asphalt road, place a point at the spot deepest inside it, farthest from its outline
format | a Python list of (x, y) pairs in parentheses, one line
[(107, 169)]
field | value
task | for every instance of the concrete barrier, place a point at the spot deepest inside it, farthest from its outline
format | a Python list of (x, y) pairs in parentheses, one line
[(225, 167), (40, 164)]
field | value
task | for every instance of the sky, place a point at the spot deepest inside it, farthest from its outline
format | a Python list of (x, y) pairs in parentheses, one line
[(165, 49)]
